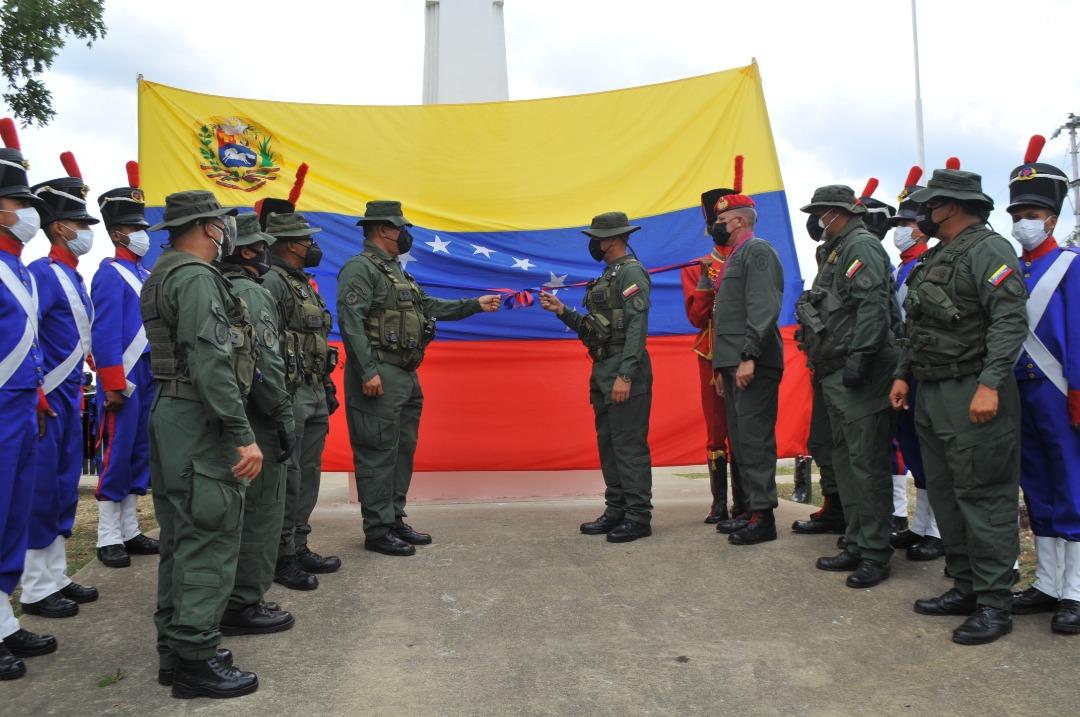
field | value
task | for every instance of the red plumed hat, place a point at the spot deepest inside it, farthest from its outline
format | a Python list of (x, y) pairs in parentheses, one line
[(735, 198)]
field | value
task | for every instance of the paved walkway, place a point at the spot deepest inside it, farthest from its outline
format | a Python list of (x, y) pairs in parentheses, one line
[(513, 612)]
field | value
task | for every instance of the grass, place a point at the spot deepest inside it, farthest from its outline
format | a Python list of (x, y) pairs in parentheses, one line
[(82, 545), (784, 491)]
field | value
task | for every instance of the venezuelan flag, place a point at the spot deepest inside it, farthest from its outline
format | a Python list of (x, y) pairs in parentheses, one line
[(499, 193)]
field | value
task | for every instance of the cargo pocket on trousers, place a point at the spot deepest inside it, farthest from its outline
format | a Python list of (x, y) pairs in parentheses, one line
[(216, 503), (375, 434), (992, 457), (200, 599)]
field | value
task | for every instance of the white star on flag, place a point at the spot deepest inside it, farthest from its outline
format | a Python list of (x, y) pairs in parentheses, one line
[(483, 250), (523, 264), (438, 245), (405, 258), (556, 281)]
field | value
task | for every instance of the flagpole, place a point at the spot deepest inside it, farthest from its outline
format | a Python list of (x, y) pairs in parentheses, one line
[(920, 145)]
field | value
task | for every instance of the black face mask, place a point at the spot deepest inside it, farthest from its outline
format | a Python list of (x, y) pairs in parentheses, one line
[(313, 257), (404, 241), (814, 229), (260, 263), (720, 234), (926, 223), (595, 251)]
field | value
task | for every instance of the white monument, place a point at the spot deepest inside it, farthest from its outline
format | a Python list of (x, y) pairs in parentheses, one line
[(464, 52)]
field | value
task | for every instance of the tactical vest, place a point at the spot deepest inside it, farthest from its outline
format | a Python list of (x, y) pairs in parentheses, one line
[(826, 318), (307, 326), (603, 328), (168, 364), (946, 327), (398, 329)]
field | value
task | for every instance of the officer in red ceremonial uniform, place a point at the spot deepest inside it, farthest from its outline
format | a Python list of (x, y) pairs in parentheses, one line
[(699, 290)]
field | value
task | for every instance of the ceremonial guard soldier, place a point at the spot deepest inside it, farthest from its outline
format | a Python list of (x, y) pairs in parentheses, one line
[(965, 324), (387, 321), (1048, 375), (699, 291), (125, 382), (202, 448), (64, 333), (620, 385), (21, 378)]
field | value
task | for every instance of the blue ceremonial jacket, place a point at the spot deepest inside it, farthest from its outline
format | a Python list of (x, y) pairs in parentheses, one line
[(117, 320), (57, 332), (13, 322)]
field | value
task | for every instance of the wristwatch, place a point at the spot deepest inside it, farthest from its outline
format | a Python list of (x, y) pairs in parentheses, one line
[(624, 378)]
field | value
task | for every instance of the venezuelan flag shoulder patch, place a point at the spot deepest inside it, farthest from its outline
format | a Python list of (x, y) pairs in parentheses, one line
[(999, 275), (630, 291), (854, 268)]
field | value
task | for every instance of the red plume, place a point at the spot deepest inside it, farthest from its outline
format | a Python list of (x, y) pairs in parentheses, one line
[(952, 163), (133, 174), (298, 184), (737, 184), (70, 165), (913, 176), (1035, 147), (870, 188), (258, 207), (10, 135)]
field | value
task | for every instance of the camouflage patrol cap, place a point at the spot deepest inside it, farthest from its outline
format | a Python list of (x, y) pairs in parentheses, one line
[(184, 207), (840, 196), (610, 224), (382, 210), (955, 184), (289, 227), (248, 231)]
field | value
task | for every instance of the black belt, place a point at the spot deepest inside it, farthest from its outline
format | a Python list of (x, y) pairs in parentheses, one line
[(941, 372), (178, 389)]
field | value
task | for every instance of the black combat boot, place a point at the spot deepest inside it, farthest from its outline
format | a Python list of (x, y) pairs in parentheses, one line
[(760, 528), (868, 574), (604, 524), (211, 678), (737, 522), (255, 619), (1067, 618), (627, 531), (312, 562), (289, 573), (1032, 601), (406, 532), (718, 486), (165, 675), (928, 548), (985, 625), (11, 667), (829, 518)]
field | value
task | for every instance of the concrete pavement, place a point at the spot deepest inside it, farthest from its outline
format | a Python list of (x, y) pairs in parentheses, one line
[(512, 612)]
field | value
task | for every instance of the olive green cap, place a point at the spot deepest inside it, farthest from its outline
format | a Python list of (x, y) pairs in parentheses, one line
[(184, 207), (610, 224), (383, 210), (840, 196), (248, 231), (289, 226), (955, 184)]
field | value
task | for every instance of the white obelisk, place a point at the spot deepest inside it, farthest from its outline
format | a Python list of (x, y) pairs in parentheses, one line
[(464, 52)]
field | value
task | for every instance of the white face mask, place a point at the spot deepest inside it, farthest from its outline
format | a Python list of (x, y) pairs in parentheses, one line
[(902, 238), (84, 239), (825, 226), (1029, 232), (28, 225), (138, 242)]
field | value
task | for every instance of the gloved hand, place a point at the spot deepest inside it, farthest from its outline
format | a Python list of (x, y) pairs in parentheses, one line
[(331, 398), (705, 282), (855, 370), (287, 441)]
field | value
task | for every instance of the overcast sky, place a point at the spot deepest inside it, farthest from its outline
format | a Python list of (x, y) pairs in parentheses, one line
[(838, 75)]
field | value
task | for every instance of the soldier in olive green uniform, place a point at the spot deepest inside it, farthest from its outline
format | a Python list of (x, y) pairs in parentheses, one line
[(305, 323), (848, 317), (203, 450), (620, 386), (271, 416), (748, 358), (387, 321), (966, 322)]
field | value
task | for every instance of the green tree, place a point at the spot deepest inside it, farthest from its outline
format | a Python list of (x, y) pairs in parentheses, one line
[(32, 33)]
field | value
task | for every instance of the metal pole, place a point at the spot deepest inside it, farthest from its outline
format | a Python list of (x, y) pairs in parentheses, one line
[(920, 145), (1073, 123)]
